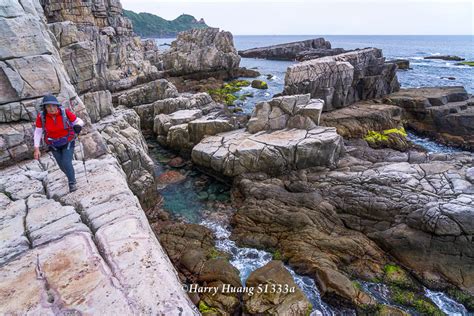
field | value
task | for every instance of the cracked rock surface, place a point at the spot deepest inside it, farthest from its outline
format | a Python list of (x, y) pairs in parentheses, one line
[(87, 251)]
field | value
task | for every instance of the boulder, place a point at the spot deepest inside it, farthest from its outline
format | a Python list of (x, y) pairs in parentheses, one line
[(201, 51), (98, 104), (298, 111), (286, 51), (236, 152), (286, 299), (343, 79), (444, 113), (259, 84)]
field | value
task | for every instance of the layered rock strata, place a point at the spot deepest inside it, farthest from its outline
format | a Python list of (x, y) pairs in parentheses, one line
[(343, 79), (97, 45)]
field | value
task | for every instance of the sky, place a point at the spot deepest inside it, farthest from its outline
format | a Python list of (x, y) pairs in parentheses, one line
[(325, 17)]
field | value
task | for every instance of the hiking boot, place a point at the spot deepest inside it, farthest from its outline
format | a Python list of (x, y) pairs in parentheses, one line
[(72, 187)]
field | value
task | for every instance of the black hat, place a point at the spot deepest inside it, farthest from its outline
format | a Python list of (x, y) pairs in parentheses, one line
[(50, 99)]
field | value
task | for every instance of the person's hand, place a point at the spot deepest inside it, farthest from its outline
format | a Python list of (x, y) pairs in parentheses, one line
[(77, 128), (37, 153)]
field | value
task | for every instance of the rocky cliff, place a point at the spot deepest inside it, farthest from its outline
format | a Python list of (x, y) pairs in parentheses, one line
[(92, 250)]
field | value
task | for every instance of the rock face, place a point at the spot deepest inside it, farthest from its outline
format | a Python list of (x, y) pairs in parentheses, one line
[(444, 113), (29, 70), (287, 51), (343, 79), (86, 252), (97, 45), (293, 302), (121, 132), (145, 93), (201, 52), (356, 120)]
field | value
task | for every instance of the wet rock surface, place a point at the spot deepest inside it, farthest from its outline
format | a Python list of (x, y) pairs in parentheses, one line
[(284, 296)]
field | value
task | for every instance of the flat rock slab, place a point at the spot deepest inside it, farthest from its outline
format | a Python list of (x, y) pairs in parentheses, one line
[(356, 120), (66, 276), (236, 152)]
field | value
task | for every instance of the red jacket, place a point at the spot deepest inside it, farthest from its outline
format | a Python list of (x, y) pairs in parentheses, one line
[(54, 125)]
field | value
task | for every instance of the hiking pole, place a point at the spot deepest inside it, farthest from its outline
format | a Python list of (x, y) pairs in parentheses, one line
[(83, 157)]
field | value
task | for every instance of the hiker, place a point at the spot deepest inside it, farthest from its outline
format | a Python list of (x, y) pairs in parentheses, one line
[(59, 127)]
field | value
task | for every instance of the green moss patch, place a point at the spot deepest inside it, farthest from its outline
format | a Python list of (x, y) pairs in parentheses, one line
[(226, 94), (413, 300), (467, 63), (374, 136), (204, 308)]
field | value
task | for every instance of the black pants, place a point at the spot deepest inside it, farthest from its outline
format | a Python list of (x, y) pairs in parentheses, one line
[(63, 156)]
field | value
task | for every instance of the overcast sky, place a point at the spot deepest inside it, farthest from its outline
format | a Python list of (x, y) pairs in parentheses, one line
[(326, 17)]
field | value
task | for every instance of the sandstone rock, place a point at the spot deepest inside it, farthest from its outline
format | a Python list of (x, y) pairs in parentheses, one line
[(97, 31), (201, 51), (163, 122), (191, 248), (309, 235), (233, 153), (286, 51), (19, 111), (286, 112), (343, 79), (146, 93), (286, 299), (356, 120), (64, 254), (444, 113), (208, 125)]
